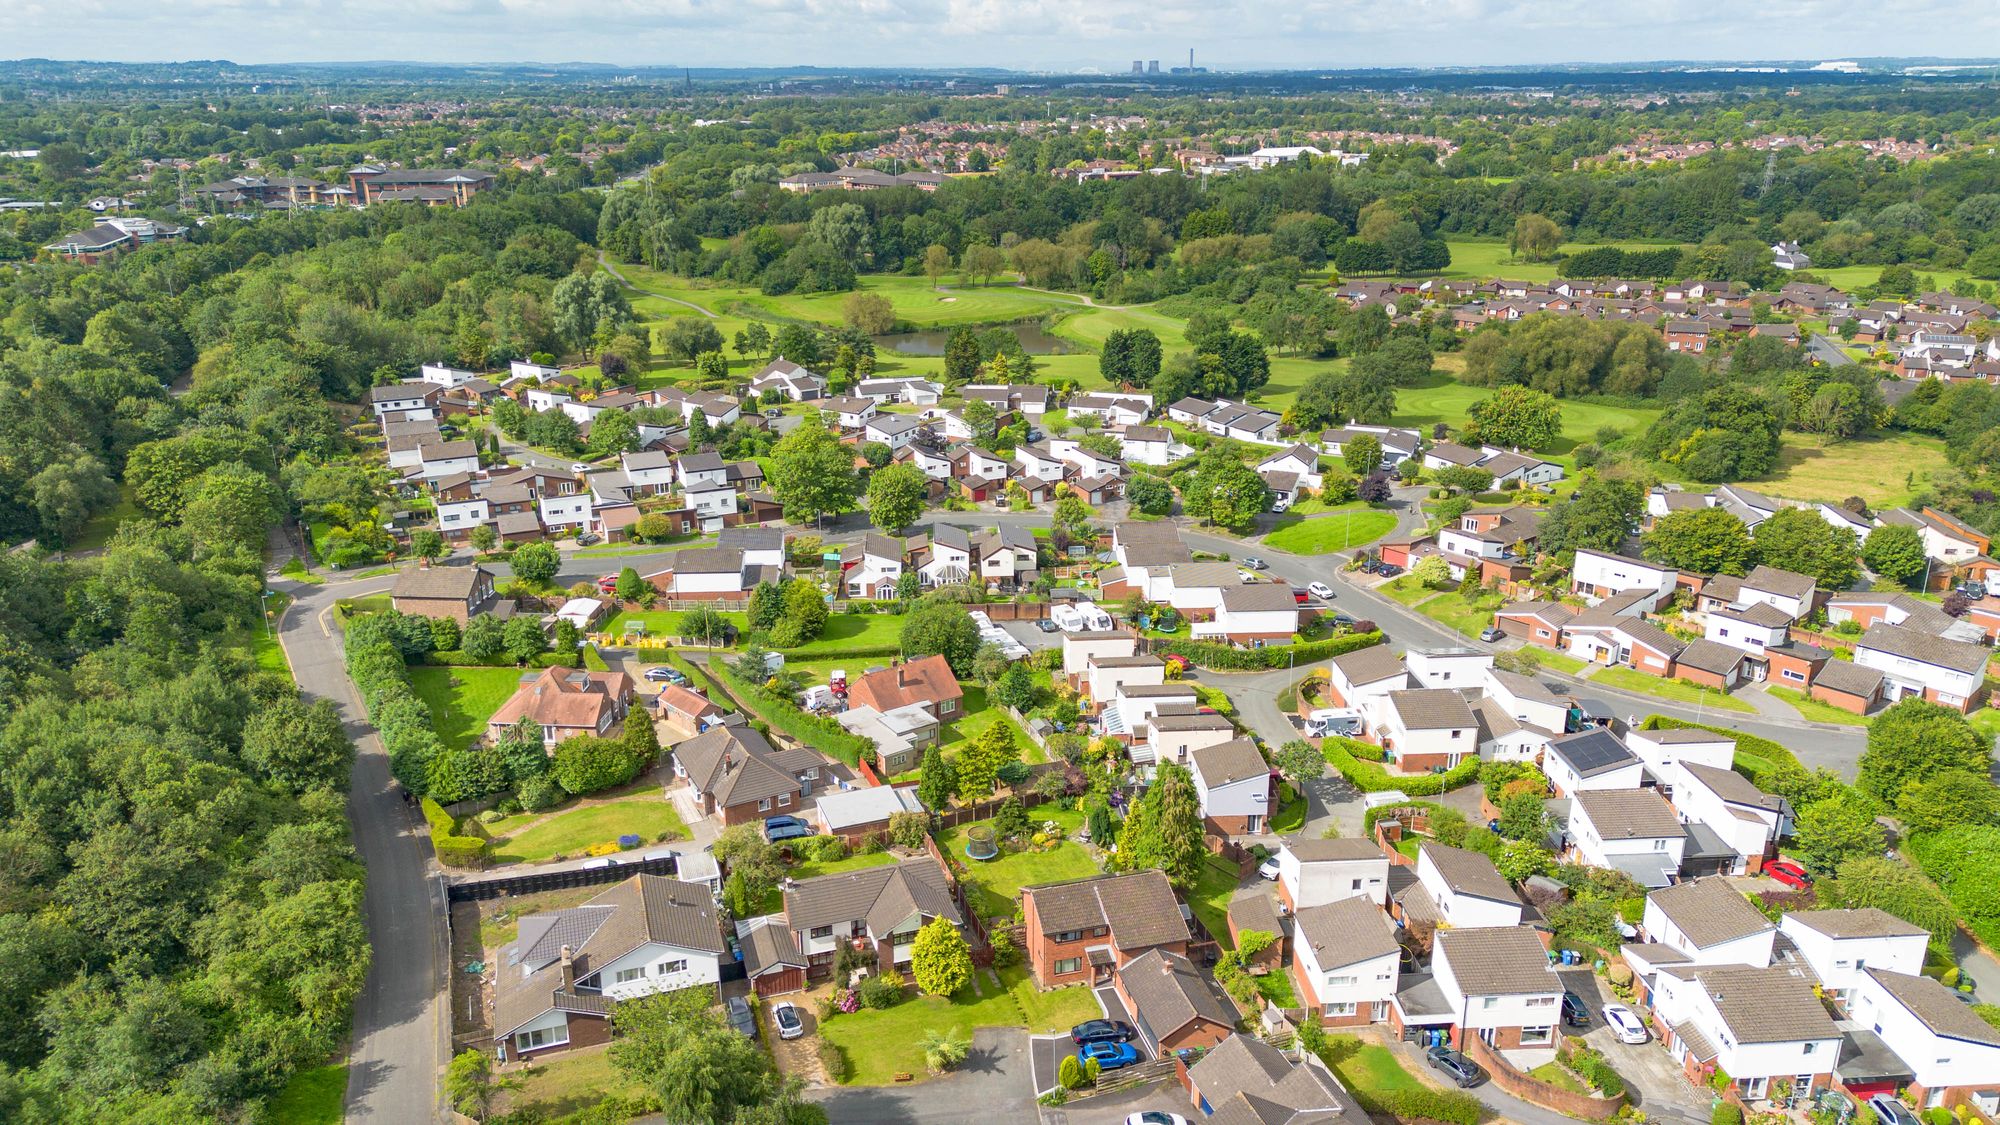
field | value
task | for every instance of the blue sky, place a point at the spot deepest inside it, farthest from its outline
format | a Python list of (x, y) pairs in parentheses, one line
[(1023, 34)]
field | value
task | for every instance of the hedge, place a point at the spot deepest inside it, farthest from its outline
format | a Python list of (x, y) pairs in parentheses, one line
[(458, 658), (1773, 753), (1448, 1106), (453, 850), (401, 718), (816, 731), (1372, 778), (1375, 815), (1220, 657)]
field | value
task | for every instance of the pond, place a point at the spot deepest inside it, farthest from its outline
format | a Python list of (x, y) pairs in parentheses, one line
[(1033, 339)]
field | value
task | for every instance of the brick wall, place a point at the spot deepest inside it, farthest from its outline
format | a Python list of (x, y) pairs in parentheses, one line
[(1588, 1107)]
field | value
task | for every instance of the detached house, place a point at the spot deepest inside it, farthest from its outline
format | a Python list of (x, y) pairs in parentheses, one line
[(565, 703), (1632, 830), (458, 592), (557, 982), (1086, 929), (1953, 1055), (1496, 985), (1598, 575), (1458, 888), (788, 379), (1246, 1080), (1366, 673), (1233, 782), (875, 909), (1710, 923), (1841, 945), (1173, 1005), (871, 567), (737, 775), (1591, 759)]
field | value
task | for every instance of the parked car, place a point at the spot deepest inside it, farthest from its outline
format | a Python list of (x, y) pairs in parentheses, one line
[(1246, 574), (1454, 1066), (1389, 570), (773, 412), (580, 467), (1255, 563), (786, 828), (1371, 565), (1101, 1031), (785, 1015), (740, 1017), (666, 675), (1048, 626), (600, 863), (1109, 1055), (1320, 590), (1575, 1012), (1492, 634), (586, 540), (1269, 868), (1155, 1117), (1973, 590), (1889, 1111), (1280, 505), (1789, 873), (1625, 1024), (1299, 595)]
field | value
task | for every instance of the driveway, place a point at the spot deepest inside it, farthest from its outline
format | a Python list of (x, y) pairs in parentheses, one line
[(1656, 1083), (1165, 1095), (991, 1085)]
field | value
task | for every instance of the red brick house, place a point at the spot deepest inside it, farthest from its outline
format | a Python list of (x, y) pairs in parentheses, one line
[(565, 703), (928, 681), (1085, 929), (737, 775), (1172, 1005)]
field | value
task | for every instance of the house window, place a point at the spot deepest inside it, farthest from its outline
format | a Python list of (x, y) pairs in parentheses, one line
[(1340, 1008), (1068, 965), (1791, 675), (1659, 845), (822, 931), (625, 975), (542, 1037), (784, 799), (1347, 981), (1488, 1003), (1069, 935), (1457, 733), (1356, 885), (669, 968), (1537, 1036), (1541, 1001), (764, 805), (1809, 1048)]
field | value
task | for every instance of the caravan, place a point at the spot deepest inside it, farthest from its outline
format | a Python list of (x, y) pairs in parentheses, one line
[(1342, 721), (1069, 618)]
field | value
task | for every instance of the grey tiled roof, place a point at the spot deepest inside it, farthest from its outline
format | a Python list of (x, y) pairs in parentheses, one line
[(1468, 872), (1910, 644), (1867, 922), (1497, 961), (1709, 911), (1345, 931), (1629, 814), (1935, 1007), (1140, 908), (1767, 1005)]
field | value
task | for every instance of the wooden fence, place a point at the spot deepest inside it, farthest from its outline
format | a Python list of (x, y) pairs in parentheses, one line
[(481, 888)]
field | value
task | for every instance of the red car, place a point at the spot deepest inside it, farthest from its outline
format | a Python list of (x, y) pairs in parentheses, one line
[(1789, 873)]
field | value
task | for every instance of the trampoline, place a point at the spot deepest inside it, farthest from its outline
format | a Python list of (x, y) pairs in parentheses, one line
[(980, 843)]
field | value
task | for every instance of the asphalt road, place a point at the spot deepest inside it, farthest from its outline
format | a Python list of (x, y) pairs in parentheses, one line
[(401, 1028)]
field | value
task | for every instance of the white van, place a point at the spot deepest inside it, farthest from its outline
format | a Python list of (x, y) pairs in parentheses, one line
[(1344, 721)]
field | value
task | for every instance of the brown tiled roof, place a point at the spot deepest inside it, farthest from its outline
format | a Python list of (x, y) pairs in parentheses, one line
[(881, 896), (565, 697), (1849, 678), (1629, 814), (1767, 1005), (1140, 908), (1345, 931), (450, 582), (1369, 665), (1935, 1007), (1226, 762), (1714, 656), (1170, 993), (928, 680), (1497, 961), (1785, 583), (1709, 911)]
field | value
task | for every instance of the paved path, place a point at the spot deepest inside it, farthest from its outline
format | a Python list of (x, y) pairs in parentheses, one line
[(628, 283), (402, 1031)]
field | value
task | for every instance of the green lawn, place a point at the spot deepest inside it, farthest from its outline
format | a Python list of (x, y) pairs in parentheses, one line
[(1885, 471), (1276, 986), (662, 622), (568, 1082), (1454, 611), (1210, 898), (1365, 1066), (1483, 259), (1555, 1074), (1291, 814), (1406, 591), (1855, 277), (993, 886), (774, 899), (918, 304), (102, 526), (1680, 691), (1560, 661), (1815, 710), (848, 632), (882, 1043), (1358, 524), (975, 716), (312, 1097), (1442, 398), (1986, 721), (462, 699), (648, 815)]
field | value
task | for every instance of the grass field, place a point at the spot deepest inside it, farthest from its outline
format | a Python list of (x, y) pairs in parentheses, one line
[(462, 699), (918, 304), (1816, 711), (647, 815), (1884, 471), (1560, 661), (1851, 278), (993, 886), (104, 524), (1483, 259), (1444, 399), (312, 1097), (881, 1043), (1455, 612), (1324, 534), (1680, 691), (567, 1082), (846, 632), (662, 622)]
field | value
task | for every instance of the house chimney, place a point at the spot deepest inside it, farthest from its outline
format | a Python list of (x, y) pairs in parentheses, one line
[(568, 967)]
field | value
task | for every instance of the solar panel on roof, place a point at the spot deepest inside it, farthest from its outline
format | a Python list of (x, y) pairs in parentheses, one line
[(1592, 751)]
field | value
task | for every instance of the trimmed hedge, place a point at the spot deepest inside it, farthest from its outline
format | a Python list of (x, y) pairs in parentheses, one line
[(457, 658), (1374, 816), (1216, 656), (1772, 752), (1447, 1106), (1369, 777), (816, 731), (453, 850)]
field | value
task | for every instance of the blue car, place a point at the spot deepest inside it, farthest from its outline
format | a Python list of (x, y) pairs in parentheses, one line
[(1109, 1056), (786, 828)]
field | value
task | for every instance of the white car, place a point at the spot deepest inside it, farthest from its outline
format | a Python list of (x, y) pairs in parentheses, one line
[(1247, 576), (786, 1015), (1625, 1024), (1269, 868), (1155, 1117), (580, 467), (1320, 590), (1280, 505)]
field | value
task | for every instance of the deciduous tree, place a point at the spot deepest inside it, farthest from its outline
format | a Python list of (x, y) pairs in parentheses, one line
[(1700, 541), (940, 960)]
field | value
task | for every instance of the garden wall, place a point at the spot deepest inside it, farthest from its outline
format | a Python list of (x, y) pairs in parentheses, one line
[(1589, 1107)]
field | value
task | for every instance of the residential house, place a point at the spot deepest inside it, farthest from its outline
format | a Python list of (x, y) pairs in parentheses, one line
[(893, 430), (1344, 961), (1591, 759), (900, 734), (1756, 1024), (1952, 1054), (737, 776), (1234, 784), (556, 984), (1145, 552), (684, 712), (789, 380), (565, 703), (871, 567), (1947, 540), (1171, 731), (1841, 945), (1148, 445), (945, 559), (705, 573), (1710, 923), (458, 592), (1291, 469), (1246, 1081), (1914, 663), (848, 412), (1398, 445), (1006, 558), (1104, 675), (1459, 888), (1527, 700), (1535, 623), (1313, 872), (1086, 929), (875, 909), (912, 389), (1423, 728), (1633, 830), (1787, 256), (1722, 803), (1366, 673), (1254, 615), (927, 681), (1447, 667), (1173, 1006), (1598, 575), (1497, 985), (1118, 410)]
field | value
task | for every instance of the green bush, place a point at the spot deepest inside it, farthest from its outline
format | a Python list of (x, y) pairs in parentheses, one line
[(1372, 778), (453, 850), (541, 792), (1448, 1106), (817, 731), (834, 1060), (1069, 1072), (1726, 1113), (1367, 752), (1746, 744), (1373, 816), (1591, 1067), (1228, 658), (881, 991)]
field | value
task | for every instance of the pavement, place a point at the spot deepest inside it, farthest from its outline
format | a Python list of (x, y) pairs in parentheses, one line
[(1652, 1077), (401, 1033), (992, 1084)]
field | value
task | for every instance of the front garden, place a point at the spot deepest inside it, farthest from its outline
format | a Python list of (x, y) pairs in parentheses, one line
[(874, 1045), (591, 827), (1679, 691)]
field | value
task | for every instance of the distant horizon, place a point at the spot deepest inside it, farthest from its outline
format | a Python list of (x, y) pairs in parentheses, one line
[(1020, 36)]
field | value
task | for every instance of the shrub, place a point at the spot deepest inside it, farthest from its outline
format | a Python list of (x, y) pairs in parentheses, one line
[(827, 849), (453, 850), (1228, 658), (1069, 1072), (1013, 773), (1371, 778), (1448, 1106), (908, 829), (834, 1061), (882, 991), (586, 764), (816, 731), (1005, 954), (1726, 1113), (541, 793), (1591, 1067)]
